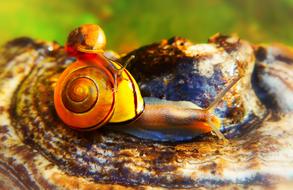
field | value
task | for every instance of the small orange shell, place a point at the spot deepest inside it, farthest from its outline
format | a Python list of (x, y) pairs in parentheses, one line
[(89, 38), (84, 95)]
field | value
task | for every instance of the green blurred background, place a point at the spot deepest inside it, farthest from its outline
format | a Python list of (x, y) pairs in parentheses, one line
[(131, 23)]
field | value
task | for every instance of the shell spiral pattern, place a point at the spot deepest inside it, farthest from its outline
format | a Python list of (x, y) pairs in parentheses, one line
[(39, 152), (85, 96)]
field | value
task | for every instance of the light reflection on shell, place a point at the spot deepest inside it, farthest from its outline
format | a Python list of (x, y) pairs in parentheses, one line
[(39, 152)]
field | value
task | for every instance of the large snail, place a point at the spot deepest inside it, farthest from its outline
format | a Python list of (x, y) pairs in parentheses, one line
[(95, 91)]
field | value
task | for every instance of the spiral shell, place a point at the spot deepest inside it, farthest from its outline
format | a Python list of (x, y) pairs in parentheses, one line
[(84, 96), (93, 91)]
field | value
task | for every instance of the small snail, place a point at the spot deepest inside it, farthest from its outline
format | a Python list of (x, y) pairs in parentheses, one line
[(95, 91)]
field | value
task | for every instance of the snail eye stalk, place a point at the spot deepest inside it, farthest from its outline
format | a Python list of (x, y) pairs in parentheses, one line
[(222, 94)]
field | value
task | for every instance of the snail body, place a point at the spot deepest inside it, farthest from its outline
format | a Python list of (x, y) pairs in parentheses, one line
[(173, 121)]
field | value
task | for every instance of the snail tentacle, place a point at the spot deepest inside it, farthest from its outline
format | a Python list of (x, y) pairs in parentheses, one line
[(215, 125), (213, 121), (220, 96), (123, 67), (118, 71)]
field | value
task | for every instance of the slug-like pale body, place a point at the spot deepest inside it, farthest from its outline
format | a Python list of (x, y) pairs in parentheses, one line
[(171, 121), (38, 151), (164, 120)]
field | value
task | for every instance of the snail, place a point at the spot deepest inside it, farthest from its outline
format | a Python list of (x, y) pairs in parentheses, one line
[(95, 91)]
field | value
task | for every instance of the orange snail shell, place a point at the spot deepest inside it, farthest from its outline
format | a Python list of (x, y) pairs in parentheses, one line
[(84, 95), (87, 38)]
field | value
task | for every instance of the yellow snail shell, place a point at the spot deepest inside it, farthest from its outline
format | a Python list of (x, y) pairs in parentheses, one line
[(90, 93)]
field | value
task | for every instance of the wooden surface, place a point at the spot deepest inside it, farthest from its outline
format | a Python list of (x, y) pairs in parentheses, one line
[(37, 151)]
